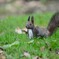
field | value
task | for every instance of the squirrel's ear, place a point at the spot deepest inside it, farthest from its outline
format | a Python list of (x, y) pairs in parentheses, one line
[(29, 18), (32, 19)]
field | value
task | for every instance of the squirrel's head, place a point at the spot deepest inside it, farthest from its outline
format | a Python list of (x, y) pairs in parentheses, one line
[(30, 23)]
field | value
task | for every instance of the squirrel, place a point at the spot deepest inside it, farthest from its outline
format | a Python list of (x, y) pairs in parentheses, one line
[(43, 32)]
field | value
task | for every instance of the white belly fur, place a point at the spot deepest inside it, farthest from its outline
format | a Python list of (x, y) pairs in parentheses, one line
[(30, 33)]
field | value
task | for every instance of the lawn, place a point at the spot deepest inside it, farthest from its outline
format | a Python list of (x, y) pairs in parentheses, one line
[(8, 36)]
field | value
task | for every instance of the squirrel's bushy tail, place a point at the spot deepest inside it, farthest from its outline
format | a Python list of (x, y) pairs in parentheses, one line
[(54, 23)]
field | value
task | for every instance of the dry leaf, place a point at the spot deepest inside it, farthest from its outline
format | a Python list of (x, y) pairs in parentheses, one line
[(42, 48), (26, 54), (18, 30), (2, 55), (24, 29), (36, 57)]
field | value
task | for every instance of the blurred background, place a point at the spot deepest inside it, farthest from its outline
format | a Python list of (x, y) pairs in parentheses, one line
[(11, 7)]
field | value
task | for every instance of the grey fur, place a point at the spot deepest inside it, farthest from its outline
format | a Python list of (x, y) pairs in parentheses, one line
[(37, 31)]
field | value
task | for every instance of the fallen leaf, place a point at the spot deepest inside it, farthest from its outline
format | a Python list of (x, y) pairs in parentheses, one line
[(18, 30), (42, 48), (2, 55), (24, 29), (26, 54), (36, 57)]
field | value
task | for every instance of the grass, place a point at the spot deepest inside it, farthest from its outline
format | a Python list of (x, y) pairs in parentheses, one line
[(8, 36)]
